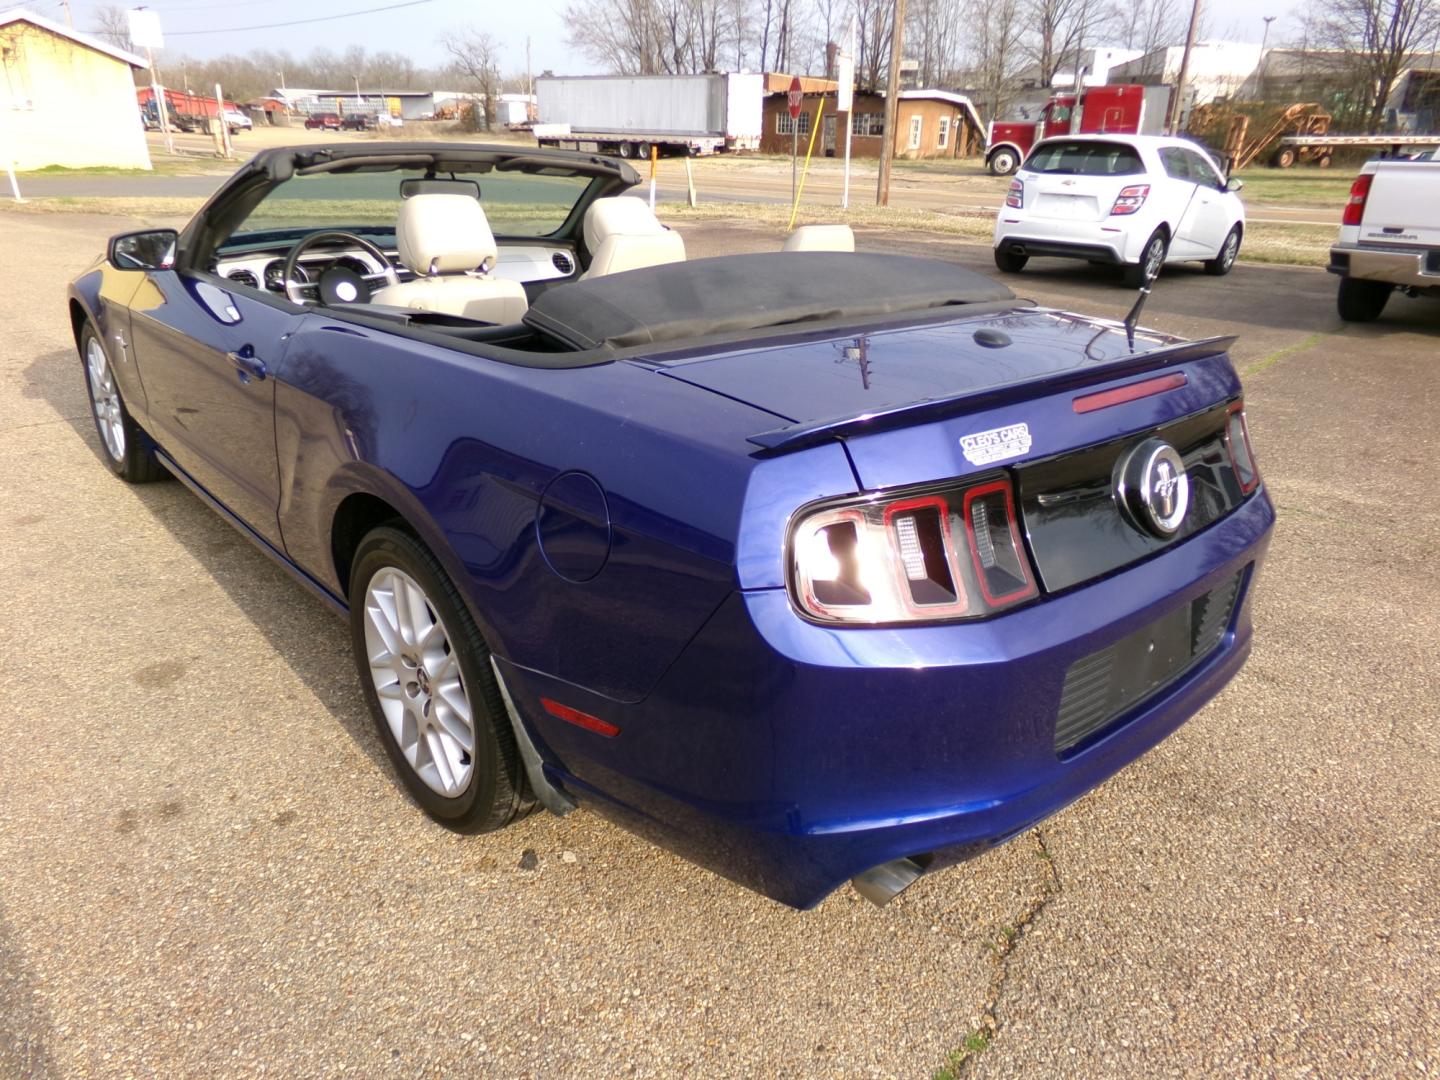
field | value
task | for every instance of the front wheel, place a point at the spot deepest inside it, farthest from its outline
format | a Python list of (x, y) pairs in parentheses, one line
[(1003, 162), (1362, 301), (426, 675), (1152, 258), (126, 447), (1221, 264), (1009, 261)]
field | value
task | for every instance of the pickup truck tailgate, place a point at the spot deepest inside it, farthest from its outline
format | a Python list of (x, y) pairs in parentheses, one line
[(1403, 206)]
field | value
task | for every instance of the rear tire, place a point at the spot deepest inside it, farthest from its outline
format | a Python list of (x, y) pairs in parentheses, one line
[(1284, 157), (1229, 250), (1362, 301), (123, 444), (425, 671), (1009, 261), (1152, 257)]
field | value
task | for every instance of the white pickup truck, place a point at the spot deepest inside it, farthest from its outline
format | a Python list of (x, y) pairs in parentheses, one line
[(1389, 237)]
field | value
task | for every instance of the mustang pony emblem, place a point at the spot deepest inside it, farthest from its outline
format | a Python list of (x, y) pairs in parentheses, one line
[(1153, 488)]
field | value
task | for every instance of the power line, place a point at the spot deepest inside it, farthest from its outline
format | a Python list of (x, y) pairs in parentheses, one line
[(296, 22)]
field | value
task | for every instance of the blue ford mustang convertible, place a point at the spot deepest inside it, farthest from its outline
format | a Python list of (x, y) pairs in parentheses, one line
[(812, 566)]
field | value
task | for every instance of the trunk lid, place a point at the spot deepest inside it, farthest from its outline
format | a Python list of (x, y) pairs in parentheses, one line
[(942, 401), (1403, 207)]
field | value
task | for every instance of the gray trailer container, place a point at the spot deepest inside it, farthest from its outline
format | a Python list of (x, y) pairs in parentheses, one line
[(629, 114)]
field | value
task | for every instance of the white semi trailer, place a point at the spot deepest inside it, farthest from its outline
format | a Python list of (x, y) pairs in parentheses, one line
[(629, 114)]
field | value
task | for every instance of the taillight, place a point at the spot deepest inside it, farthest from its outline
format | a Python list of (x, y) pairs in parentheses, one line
[(951, 553), (1016, 197), (1359, 192), (1130, 199), (1237, 445)]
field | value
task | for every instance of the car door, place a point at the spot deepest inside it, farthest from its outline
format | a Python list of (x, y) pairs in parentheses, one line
[(1180, 198), (1209, 218), (207, 352)]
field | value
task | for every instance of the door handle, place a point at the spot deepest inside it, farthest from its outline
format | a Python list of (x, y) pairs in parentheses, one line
[(247, 363)]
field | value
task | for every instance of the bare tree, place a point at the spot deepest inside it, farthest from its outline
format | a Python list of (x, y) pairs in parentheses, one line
[(1380, 38), (475, 57), (112, 24), (1153, 24), (996, 28)]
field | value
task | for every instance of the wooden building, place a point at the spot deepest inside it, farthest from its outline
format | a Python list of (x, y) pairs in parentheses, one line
[(931, 123)]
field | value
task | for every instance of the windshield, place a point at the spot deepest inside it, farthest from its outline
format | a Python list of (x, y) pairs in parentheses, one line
[(1085, 159), (516, 203)]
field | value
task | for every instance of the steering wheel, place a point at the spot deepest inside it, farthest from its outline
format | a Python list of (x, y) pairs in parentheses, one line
[(338, 284)]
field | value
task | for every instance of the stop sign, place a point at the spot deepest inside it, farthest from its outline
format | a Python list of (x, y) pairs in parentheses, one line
[(796, 96)]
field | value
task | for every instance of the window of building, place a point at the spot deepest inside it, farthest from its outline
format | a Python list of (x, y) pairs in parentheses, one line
[(784, 125), (942, 139), (917, 128), (867, 123)]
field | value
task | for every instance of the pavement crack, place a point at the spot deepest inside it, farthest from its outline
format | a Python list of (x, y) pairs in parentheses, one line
[(1002, 949), (1271, 359)]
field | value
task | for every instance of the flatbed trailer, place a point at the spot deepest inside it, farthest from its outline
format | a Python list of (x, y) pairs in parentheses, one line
[(1308, 145)]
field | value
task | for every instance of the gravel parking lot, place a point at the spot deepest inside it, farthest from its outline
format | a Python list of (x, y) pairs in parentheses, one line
[(208, 868)]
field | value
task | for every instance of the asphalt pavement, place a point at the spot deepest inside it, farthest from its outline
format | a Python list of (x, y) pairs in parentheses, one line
[(207, 868)]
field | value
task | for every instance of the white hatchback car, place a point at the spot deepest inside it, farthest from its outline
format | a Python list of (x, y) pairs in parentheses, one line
[(1137, 201)]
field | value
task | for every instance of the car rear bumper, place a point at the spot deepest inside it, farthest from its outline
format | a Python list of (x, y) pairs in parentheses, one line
[(1410, 267), (791, 757), (1065, 239)]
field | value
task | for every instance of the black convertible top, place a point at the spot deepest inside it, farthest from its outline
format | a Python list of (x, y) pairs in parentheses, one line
[(738, 293)]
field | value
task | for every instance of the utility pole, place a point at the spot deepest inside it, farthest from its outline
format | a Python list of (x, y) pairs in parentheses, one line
[(1079, 69), (69, 18), (1172, 122), (892, 105), (162, 103)]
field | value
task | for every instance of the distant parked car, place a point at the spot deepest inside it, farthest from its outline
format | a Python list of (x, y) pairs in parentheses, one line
[(326, 120), (237, 121), (1135, 201), (357, 123)]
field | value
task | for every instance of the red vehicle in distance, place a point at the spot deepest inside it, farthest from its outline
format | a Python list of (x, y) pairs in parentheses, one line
[(327, 120), (1125, 109)]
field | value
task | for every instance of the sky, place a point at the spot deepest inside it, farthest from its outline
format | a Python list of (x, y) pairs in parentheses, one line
[(206, 28)]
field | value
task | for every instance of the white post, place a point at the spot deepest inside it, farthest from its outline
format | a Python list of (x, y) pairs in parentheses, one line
[(224, 124), (845, 100), (14, 184), (162, 110), (690, 183)]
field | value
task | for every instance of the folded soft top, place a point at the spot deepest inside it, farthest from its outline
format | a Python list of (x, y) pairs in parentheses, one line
[(736, 293)]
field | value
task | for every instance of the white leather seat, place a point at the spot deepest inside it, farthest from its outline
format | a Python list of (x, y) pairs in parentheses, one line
[(621, 233), (821, 238), (446, 240)]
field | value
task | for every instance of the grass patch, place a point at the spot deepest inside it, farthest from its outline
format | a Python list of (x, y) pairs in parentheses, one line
[(162, 167), (1275, 357), (976, 1043), (979, 225), (1291, 187)]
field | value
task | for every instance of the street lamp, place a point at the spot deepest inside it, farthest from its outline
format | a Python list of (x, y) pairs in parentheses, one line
[(1260, 76)]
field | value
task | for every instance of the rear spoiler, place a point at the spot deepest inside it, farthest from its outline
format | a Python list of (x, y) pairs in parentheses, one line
[(798, 436)]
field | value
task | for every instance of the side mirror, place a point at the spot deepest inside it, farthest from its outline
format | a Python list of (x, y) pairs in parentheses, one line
[(1234, 184), (152, 249)]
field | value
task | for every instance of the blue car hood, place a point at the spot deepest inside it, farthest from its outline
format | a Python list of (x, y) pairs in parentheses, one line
[(882, 370)]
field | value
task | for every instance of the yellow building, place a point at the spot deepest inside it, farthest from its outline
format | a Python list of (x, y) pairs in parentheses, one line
[(66, 98)]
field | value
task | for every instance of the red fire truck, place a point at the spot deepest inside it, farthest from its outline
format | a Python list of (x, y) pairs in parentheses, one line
[(1125, 109)]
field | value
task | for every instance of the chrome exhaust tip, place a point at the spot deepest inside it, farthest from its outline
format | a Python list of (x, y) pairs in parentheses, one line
[(883, 883)]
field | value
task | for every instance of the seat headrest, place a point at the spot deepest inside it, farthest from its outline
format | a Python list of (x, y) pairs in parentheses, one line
[(619, 215), (444, 234)]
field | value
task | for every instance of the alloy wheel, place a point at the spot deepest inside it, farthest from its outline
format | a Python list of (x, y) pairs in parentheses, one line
[(417, 678), (1154, 257), (105, 399), (1230, 250)]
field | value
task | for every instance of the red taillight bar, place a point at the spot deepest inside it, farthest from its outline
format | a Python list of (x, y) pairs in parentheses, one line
[(1359, 192), (1129, 392), (1239, 407), (579, 719), (1026, 590)]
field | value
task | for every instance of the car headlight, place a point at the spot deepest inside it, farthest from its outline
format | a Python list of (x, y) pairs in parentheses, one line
[(927, 554)]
